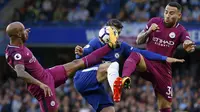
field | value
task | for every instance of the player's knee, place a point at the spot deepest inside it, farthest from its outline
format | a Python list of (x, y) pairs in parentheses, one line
[(102, 72), (163, 103)]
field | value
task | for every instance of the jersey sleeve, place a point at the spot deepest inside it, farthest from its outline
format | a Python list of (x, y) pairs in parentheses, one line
[(185, 36), (17, 58), (126, 49), (150, 55), (148, 24), (90, 47)]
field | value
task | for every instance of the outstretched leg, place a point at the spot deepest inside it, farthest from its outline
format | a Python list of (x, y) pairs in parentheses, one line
[(87, 61), (135, 60)]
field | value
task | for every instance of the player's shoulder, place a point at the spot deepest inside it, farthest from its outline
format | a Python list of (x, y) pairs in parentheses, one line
[(180, 27), (14, 50), (124, 44), (156, 20), (95, 40)]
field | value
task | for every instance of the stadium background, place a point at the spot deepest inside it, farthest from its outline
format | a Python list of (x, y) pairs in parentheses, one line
[(58, 25)]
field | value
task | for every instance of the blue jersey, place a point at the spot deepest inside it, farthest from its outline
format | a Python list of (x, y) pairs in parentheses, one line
[(85, 81), (124, 50)]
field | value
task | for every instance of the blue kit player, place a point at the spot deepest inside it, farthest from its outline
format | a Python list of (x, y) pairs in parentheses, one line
[(88, 81)]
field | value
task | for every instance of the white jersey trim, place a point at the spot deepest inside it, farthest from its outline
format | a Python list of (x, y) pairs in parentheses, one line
[(13, 46), (90, 69)]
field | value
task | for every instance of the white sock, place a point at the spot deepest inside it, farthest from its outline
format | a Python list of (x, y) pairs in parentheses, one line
[(112, 73)]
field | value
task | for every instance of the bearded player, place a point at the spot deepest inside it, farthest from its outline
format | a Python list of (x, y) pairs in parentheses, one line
[(88, 82), (162, 36), (41, 83)]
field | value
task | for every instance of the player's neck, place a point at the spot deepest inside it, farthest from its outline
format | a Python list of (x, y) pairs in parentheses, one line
[(169, 25), (16, 42)]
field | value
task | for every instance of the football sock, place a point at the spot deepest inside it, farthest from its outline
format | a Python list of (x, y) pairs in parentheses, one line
[(95, 56), (130, 64), (112, 73)]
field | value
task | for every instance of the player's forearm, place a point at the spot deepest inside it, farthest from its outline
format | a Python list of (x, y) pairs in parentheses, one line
[(21, 73), (142, 37), (27, 77)]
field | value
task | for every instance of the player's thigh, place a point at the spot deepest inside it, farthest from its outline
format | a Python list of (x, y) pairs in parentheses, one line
[(85, 80), (48, 103), (162, 102), (59, 74), (161, 80), (102, 72)]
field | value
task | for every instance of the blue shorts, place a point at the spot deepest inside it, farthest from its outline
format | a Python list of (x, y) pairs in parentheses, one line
[(86, 84)]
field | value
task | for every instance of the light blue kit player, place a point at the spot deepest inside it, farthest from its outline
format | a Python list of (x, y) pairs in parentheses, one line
[(88, 81)]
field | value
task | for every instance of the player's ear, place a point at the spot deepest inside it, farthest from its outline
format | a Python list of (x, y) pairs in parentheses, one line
[(19, 34), (179, 15)]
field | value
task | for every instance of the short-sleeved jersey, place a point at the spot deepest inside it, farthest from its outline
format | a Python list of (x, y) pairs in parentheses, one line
[(165, 40), (22, 55)]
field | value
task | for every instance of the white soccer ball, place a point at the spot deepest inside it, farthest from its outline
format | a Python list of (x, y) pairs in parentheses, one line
[(104, 34)]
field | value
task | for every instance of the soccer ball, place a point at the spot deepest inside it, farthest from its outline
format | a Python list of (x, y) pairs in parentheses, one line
[(104, 34)]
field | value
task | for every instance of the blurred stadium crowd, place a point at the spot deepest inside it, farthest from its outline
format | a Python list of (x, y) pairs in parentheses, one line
[(140, 98), (90, 11)]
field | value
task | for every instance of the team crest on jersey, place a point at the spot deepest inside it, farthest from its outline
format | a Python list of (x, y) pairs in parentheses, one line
[(172, 35), (53, 103), (116, 55), (17, 56)]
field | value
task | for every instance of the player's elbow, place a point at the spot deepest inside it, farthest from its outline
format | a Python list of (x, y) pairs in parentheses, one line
[(138, 40), (20, 73)]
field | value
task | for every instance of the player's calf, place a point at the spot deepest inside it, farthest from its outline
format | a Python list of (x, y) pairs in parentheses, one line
[(163, 104)]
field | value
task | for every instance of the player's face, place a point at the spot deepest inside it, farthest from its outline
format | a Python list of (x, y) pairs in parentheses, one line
[(171, 15), (118, 30), (24, 34)]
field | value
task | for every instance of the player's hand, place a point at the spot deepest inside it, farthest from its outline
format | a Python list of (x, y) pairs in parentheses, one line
[(28, 30), (46, 89), (78, 50), (174, 60), (153, 27), (189, 46)]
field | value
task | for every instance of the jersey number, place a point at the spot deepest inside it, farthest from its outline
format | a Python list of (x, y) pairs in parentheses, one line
[(170, 92)]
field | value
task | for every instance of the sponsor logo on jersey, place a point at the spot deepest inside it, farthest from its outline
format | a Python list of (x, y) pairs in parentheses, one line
[(33, 59), (162, 42)]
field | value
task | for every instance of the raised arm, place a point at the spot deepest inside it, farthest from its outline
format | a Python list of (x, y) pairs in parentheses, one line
[(143, 35), (90, 47), (154, 56)]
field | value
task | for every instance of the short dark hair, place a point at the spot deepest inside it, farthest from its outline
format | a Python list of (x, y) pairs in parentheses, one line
[(175, 4), (114, 22)]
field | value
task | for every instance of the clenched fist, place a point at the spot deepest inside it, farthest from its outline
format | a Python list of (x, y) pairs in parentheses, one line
[(78, 50)]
